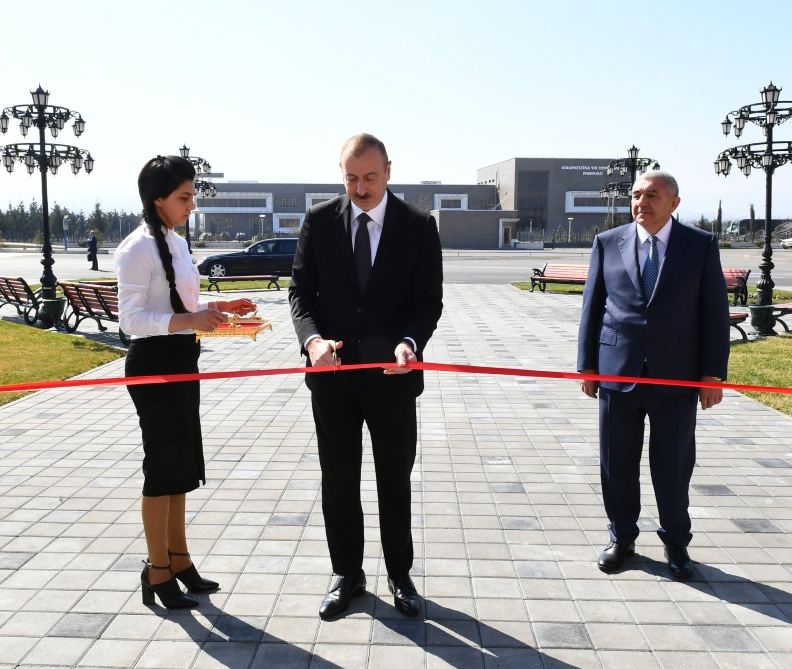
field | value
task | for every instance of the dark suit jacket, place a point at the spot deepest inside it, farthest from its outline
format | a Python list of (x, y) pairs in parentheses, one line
[(403, 298), (93, 247), (681, 333)]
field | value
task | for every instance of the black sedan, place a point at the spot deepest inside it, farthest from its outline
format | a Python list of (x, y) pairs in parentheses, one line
[(271, 256)]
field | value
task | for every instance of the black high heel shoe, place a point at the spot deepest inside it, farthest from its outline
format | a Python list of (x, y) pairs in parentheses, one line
[(169, 592), (192, 579)]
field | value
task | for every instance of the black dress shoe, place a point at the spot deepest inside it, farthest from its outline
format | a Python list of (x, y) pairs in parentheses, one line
[(405, 596), (613, 557), (344, 589), (679, 563)]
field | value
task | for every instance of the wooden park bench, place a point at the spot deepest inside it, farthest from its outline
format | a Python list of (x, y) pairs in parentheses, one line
[(214, 281), (737, 283), (90, 300), (557, 273), (737, 317), (17, 293), (781, 310)]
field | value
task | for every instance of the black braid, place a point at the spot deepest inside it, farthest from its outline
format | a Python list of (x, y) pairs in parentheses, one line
[(155, 227), (160, 177)]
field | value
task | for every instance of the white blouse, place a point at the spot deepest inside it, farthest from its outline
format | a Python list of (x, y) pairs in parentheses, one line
[(144, 306)]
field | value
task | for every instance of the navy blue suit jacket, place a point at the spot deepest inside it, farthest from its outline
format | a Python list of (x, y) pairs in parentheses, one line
[(682, 332)]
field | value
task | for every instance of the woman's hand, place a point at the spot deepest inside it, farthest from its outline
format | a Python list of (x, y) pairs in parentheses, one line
[(207, 320), (240, 306)]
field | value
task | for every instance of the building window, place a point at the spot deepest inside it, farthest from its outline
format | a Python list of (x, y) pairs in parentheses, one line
[(286, 223), (312, 199), (450, 201)]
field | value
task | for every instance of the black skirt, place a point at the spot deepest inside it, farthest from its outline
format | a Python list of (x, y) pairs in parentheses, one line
[(173, 461)]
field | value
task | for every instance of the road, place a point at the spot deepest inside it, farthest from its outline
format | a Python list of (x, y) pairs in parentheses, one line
[(474, 267)]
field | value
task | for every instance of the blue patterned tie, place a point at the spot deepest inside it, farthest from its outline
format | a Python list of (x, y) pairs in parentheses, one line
[(651, 269)]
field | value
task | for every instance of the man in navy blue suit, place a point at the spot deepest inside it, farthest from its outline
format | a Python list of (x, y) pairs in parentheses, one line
[(655, 305)]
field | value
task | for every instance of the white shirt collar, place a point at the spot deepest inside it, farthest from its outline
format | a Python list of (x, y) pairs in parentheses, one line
[(377, 213), (662, 234)]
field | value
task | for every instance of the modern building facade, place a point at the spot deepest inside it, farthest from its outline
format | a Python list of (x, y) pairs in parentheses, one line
[(519, 198), (547, 192)]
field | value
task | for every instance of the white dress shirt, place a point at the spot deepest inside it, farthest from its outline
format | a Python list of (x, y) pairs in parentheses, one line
[(377, 215), (144, 306), (643, 243)]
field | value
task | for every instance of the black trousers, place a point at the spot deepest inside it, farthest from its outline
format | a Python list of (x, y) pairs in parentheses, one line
[(339, 418), (173, 461), (672, 455)]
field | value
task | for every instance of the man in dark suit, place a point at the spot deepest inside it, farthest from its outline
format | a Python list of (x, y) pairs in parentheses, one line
[(93, 250), (654, 305), (366, 286)]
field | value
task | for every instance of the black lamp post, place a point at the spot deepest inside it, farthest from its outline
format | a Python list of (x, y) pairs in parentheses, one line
[(632, 165), (203, 188), (47, 157), (766, 155)]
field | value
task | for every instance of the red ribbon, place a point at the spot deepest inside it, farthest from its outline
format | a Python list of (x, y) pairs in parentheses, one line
[(427, 366)]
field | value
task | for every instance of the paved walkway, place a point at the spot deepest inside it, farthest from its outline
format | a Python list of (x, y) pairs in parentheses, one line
[(508, 523)]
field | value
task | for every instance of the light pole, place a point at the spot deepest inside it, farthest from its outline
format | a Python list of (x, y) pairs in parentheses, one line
[(766, 155), (632, 165), (65, 232), (262, 218), (569, 233), (47, 157), (203, 188)]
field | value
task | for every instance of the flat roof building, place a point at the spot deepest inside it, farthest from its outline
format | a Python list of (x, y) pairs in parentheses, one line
[(514, 199)]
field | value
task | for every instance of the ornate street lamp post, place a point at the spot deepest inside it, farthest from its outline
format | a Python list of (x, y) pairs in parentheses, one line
[(766, 155), (45, 156), (632, 165), (203, 188)]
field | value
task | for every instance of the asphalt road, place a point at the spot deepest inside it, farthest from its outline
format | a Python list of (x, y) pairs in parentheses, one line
[(475, 267)]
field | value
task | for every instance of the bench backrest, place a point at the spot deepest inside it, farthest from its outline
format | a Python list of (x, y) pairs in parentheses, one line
[(91, 298), (571, 271), (16, 290), (735, 277)]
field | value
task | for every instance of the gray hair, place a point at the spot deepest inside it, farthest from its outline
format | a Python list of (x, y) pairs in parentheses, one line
[(661, 175)]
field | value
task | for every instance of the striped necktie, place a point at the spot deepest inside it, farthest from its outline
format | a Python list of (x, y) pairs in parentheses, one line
[(651, 269)]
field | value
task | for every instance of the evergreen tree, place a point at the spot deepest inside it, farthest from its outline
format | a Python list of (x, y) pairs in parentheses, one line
[(752, 223)]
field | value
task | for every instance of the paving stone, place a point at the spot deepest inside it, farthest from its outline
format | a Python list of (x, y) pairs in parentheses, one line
[(89, 625), (561, 635)]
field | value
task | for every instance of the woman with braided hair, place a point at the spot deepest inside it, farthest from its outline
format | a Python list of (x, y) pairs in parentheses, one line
[(158, 290)]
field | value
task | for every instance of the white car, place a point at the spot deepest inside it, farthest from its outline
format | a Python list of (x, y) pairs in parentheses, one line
[(786, 243)]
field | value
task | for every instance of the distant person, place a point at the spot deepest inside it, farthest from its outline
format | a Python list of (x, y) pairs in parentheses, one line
[(368, 276), (654, 305), (93, 250), (158, 308)]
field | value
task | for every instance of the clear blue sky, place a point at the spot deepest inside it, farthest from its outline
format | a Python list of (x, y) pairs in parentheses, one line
[(268, 90)]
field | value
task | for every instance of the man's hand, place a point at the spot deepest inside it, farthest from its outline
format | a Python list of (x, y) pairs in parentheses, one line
[(404, 356), (709, 397), (322, 352), (590, 388), (240, 306)]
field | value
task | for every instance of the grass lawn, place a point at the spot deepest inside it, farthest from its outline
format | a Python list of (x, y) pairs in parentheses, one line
[(764, 362), (567, 288), (243, 285), (40, 355)]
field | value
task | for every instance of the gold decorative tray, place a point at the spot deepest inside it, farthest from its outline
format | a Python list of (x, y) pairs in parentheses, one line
[(238, 326)]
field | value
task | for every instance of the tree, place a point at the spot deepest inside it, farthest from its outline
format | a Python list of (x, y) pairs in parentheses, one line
[(96, 220), (752, 223), (718, 227)]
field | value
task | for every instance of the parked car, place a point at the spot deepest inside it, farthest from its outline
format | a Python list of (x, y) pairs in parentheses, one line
[(270, 256), (786, 243)]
